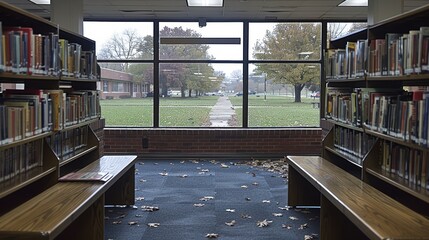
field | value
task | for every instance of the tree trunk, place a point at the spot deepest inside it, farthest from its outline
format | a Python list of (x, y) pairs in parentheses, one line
[(298, 88), (190, 93)]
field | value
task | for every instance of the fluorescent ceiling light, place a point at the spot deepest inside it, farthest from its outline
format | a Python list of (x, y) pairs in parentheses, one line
[(354, 3), (41, 1), (205, 3)]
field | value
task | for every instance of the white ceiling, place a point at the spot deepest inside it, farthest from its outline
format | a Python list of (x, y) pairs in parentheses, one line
[(232, 10)]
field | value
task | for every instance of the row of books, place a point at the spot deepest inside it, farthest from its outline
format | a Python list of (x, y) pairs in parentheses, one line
[(24, 52), (20, 159), (354, 143), (396, 54), (392, 111), (29, 112), (66, 144), (409, 164)]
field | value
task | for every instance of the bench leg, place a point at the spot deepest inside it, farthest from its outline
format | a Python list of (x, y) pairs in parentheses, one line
[(88, 226), (300, 191), (123, 191), (335, 225)]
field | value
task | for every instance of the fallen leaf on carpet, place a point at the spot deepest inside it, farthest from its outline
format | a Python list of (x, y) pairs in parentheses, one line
[(286, 226), (150, 208), (212, 235), (303, 226), (263, 223), (153, 225), (232, 223), (206, 198), (310, 237)]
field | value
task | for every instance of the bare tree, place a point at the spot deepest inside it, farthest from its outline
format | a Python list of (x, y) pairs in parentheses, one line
[(124, 46)]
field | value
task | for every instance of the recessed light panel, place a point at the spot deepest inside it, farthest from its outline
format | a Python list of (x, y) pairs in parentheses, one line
[(354, 3), (41, 1), (205, 3)]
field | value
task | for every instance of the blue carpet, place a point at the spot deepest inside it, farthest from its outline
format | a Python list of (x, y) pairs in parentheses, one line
[(234, 192)]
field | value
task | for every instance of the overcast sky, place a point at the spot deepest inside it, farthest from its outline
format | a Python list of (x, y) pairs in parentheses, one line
[(103, 31)]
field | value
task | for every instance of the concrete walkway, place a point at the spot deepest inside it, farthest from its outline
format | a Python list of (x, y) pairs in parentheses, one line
[(221, 113)]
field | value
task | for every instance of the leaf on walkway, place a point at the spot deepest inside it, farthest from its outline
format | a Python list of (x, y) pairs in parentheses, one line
[(139, 198), (230, 210), (199, 204), (263, 223), (255, 184), (285, 208), (247, 199), (142, 180), (184, 176), (246, 216), (293, 218), (244, 186), (153, 225), (266, 201), (116, 222), (278, 214), (232, 223), (133, 223), (164, 174)]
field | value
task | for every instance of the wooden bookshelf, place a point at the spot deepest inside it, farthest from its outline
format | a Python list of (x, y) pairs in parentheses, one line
[(397, 163), (19, 180)]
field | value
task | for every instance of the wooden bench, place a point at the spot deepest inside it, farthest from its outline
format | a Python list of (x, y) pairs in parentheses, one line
[(73, 210), (315, 104), (350, 208)]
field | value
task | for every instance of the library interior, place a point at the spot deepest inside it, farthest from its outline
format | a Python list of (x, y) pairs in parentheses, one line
[(222, 119)]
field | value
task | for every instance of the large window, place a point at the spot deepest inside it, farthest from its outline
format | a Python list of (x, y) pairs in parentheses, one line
[(198, 79)]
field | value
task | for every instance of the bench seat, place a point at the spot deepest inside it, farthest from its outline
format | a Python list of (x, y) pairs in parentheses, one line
[(347, 202), (68, 210)]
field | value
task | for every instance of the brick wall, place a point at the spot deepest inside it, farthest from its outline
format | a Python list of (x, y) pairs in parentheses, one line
[(167, 143)]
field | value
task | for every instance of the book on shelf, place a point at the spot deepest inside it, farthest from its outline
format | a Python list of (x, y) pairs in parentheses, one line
[(423, 49), (86, 176), (406, 163), (15, 160), (1, 48)]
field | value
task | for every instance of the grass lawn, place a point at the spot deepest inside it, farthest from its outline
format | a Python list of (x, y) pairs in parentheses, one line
[(194, 112)]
